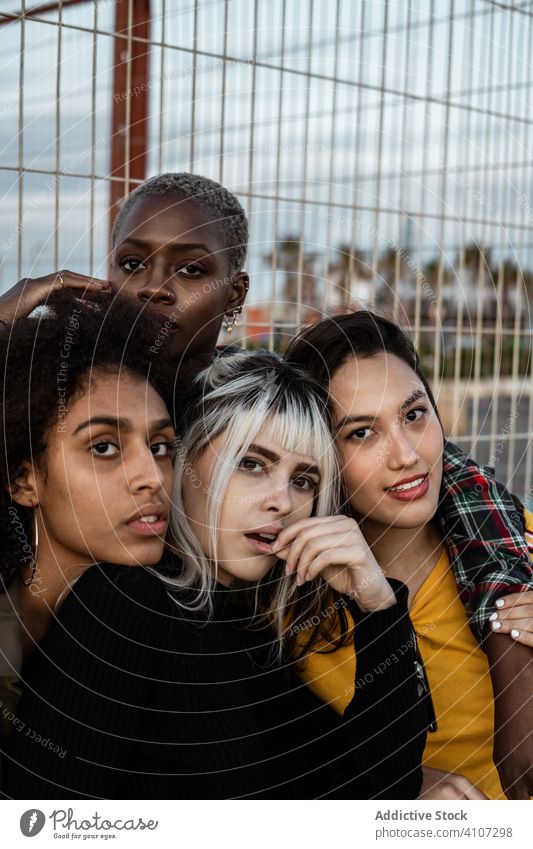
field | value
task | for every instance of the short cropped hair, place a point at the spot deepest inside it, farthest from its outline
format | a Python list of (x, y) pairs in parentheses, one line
[(223, 206)]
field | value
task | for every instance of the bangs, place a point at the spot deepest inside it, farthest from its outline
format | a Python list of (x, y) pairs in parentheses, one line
[(299, 432), (297, 429)]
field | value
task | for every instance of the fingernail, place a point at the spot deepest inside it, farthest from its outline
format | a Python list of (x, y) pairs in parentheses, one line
[(492, 617), (515, 634), (496, 626), (499, 602)]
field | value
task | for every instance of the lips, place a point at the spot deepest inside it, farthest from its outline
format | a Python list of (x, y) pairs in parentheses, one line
[(407, 483), (149, 520), (409, 489), (263, 539), (168, 323)]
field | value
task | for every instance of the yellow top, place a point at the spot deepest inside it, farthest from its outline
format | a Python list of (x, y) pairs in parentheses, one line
[(458, 673)]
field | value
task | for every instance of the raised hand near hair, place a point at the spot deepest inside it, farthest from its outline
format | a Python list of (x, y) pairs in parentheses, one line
[(447, 785), (29, 293), (334, 548)]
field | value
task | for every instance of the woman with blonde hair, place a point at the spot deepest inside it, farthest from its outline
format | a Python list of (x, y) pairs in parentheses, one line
[(254, 457)]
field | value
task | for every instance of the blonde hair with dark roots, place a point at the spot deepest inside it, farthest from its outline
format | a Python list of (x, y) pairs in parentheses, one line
[(238, 396)]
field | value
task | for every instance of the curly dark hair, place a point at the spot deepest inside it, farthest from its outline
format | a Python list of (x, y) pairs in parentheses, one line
[(47, 361)]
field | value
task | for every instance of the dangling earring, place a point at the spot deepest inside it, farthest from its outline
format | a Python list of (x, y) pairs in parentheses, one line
[(231, 321), (29, 581)]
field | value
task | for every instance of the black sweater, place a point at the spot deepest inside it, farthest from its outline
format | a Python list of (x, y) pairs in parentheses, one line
[(127, 696)]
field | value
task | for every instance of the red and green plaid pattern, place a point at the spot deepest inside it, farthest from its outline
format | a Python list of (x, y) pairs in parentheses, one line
[(485, 536)]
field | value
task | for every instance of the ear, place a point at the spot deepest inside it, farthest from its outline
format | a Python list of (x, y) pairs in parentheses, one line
[(238, 290), (23, 489)]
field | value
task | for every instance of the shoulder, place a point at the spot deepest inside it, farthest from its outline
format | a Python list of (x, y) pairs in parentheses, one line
[(123, 600), (528, 516), (129, 583)]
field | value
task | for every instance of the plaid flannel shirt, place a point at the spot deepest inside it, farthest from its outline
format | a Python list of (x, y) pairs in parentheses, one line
[(484, 534)]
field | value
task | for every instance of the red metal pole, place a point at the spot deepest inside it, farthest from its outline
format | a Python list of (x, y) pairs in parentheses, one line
[(130, 102)]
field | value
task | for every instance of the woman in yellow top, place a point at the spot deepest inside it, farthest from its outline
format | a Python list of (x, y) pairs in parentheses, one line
[(391, 443)]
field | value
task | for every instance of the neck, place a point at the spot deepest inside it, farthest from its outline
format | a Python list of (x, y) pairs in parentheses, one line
[(48, 581), (401, 551), (38, 599)]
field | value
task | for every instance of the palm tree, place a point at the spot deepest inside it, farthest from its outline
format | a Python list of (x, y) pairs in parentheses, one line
[(291, 257), (350, 268)]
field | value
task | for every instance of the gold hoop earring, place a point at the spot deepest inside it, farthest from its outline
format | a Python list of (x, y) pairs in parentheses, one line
[(230, 321)]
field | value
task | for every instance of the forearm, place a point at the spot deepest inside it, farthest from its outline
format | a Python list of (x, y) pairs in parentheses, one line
[(507, 660), (511, 670), (387, 719)]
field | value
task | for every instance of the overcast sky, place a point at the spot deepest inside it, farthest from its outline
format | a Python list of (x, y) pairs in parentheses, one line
[(324, 147)]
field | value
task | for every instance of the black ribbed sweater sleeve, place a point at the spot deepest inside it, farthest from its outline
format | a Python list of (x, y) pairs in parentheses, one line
[(122, 700), (375, 749), (86, 689), (385, 723)]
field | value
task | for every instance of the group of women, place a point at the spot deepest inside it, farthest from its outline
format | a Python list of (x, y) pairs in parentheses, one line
[(231, 574)]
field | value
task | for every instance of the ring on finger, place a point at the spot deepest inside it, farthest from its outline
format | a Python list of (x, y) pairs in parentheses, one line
[(61, 278)]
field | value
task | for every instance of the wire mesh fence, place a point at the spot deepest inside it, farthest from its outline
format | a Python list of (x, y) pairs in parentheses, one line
[(381, 150)]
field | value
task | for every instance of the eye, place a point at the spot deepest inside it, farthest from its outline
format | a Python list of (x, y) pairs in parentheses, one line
[(305, 483), (105, 449), (360, 433), (130, 264), (250, 464), (162, 449), (416, 414), (192, 269)]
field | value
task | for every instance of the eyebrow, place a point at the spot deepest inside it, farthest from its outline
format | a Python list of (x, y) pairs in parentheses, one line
[(174, 246), (414, 396), (275, 458), (121, 424)]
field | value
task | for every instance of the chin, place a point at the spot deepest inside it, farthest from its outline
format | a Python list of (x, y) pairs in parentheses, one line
[(250, 571), (149, 559), (410, 516), (408, 524), (148, 556)]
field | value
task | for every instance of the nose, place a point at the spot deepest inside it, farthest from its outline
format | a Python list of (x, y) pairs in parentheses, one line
[(157, 288), (145, 473), (402, 453), (278, 500)]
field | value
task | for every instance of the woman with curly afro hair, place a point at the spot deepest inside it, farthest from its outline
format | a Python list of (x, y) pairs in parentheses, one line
[(85, 463)]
